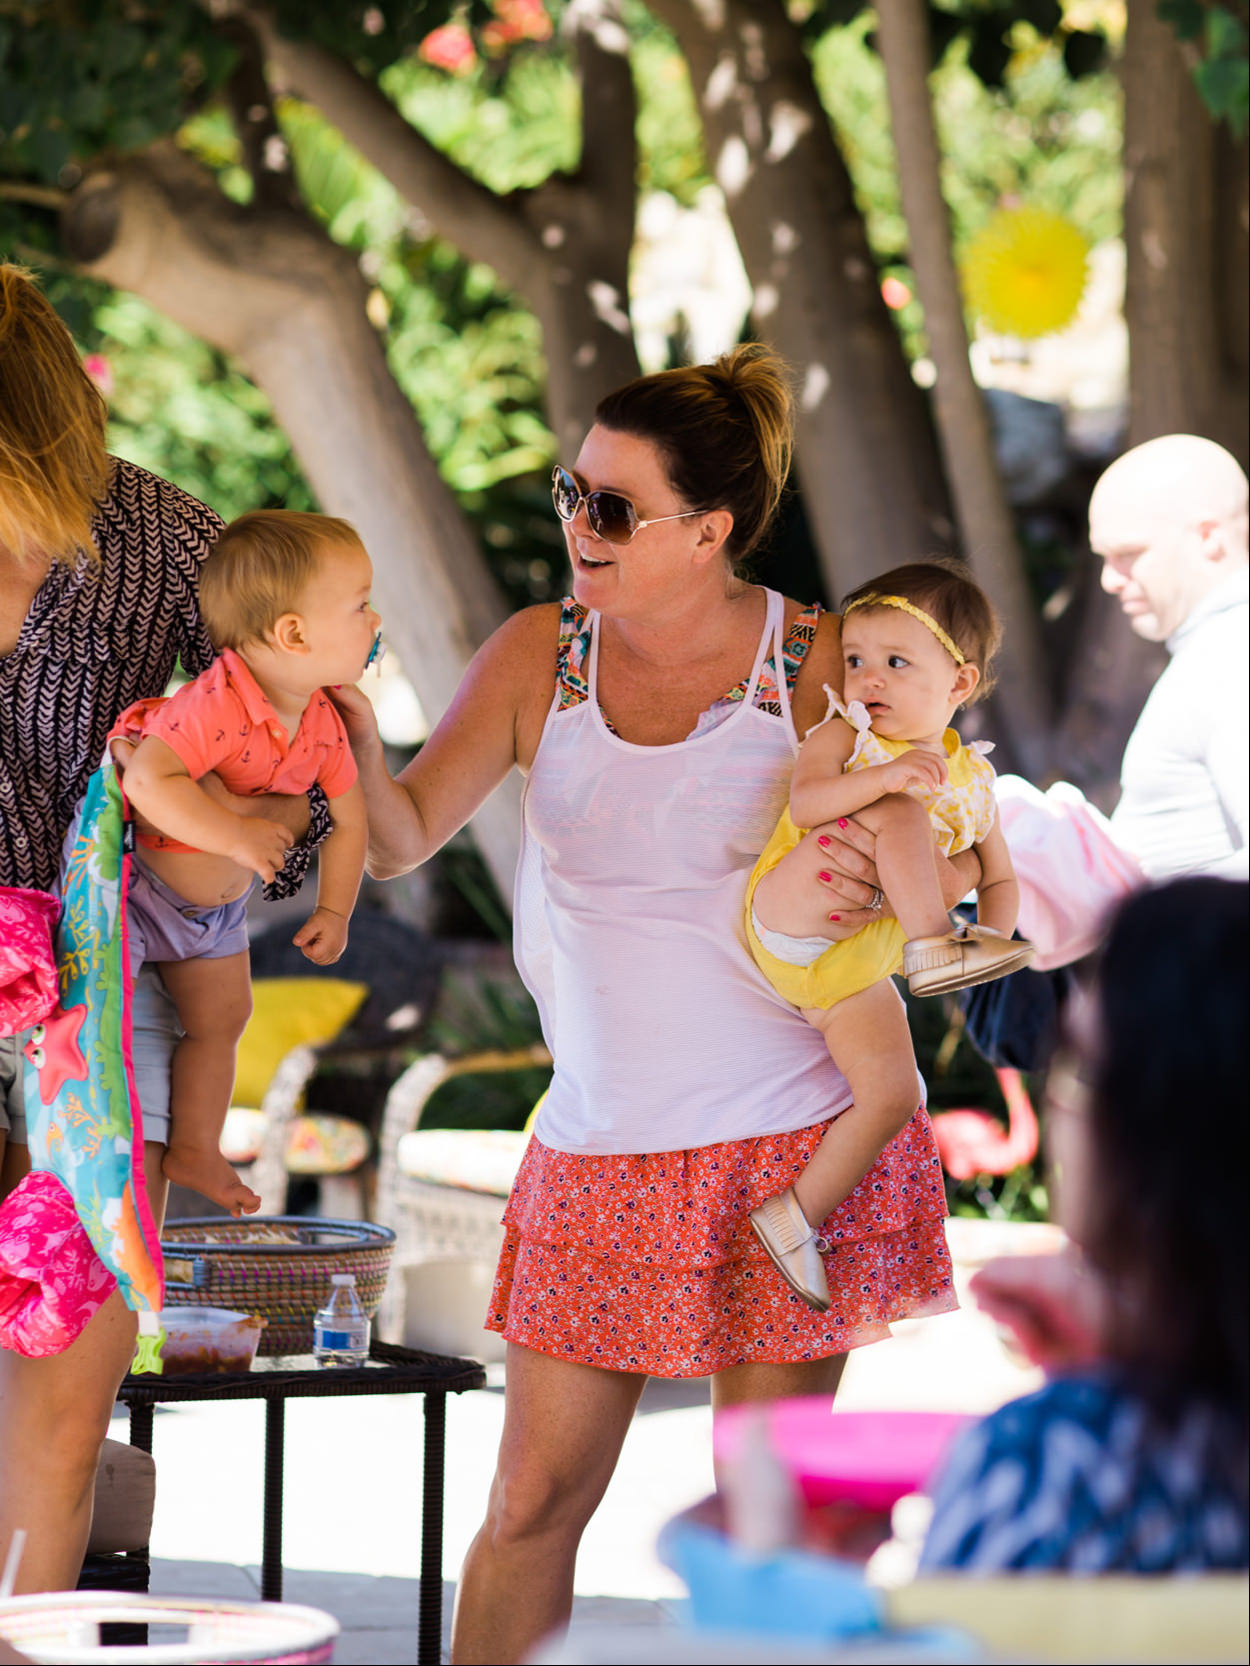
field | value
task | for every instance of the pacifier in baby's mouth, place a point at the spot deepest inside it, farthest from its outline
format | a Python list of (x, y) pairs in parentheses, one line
[(376, 652)]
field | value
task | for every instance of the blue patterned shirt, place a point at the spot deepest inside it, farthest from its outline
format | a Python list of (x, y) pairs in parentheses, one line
[(1082, 1477)]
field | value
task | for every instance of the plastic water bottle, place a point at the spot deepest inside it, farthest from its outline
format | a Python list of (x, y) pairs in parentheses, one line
[(341, 1328)]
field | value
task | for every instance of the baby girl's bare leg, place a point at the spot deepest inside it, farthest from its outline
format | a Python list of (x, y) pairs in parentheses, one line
[(214, 1001), (907, 863), (867, 1036)]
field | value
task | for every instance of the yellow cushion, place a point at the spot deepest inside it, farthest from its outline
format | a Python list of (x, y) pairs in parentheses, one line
[(287, 1012), (1096, 1617), (532, 1118)]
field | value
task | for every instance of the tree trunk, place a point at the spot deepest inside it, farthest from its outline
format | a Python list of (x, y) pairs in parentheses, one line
[(871, 480), (272, 290), (563, 247), (1185, 230), (985, 520)]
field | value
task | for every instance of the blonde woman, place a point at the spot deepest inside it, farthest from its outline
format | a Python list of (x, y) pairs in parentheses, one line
[(656, 713), (98, 600)]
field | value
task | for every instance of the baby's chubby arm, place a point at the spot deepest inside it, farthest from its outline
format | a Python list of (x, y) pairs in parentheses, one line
[(998, 892), (820, 792), (341, 862), (160, 788)]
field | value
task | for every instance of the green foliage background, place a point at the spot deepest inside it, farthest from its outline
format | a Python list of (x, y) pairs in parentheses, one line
[(466, 353), (113, 75)]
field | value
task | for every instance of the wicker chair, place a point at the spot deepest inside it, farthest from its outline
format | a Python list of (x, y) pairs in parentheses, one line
[(121, 1522), (381, 1035), (442, 1192)]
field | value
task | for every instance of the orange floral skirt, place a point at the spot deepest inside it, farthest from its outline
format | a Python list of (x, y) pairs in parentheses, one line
[(647, 1263)]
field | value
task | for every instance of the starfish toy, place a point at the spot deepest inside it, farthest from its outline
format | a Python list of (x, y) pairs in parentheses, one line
[(63, 1059)]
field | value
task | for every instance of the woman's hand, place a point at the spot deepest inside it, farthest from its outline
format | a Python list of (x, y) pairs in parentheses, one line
[(1053, 1305), (359, 718), (828, 882)]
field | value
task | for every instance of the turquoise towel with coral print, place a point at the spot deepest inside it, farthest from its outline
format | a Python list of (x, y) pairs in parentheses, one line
[(83, 1115)]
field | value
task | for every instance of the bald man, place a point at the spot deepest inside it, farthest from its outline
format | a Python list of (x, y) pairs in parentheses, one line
[(1169, 520)]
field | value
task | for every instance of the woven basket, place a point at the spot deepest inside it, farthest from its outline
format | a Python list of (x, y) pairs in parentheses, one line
[(277, 1265)]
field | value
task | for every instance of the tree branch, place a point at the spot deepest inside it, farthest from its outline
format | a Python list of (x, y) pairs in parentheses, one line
[(265, 152), (985, 520), (609, 166), (483, 225), (584, 206), (41, 196)]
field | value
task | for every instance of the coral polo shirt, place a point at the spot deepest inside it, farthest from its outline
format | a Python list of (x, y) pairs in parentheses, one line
[(225, 722)]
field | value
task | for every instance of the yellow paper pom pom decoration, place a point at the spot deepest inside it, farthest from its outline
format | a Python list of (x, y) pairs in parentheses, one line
[(1024, 272)]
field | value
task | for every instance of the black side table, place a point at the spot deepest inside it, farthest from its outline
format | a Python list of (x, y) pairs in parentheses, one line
[(389, 1370)]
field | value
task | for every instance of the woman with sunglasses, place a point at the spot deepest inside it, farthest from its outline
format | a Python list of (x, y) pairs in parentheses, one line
[(656, 714)]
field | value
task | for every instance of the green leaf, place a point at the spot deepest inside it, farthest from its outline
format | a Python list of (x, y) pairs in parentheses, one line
[(1185, 16), (1225, 37), (1224, 85), (49, 150)]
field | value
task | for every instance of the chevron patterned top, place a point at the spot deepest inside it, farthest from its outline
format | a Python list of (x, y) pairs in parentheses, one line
[(95, 639)]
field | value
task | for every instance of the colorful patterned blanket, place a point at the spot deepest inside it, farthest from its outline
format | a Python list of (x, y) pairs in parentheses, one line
[(83, 1117)]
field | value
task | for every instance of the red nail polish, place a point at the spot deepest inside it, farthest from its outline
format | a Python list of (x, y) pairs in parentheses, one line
[(825, 876), (835, 916), (842, 822), (824, 841)]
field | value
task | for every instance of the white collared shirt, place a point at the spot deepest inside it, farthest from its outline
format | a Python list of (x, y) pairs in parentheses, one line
[(1183, 782)]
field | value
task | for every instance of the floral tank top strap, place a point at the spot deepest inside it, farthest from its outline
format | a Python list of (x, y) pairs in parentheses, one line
[(573, 663)]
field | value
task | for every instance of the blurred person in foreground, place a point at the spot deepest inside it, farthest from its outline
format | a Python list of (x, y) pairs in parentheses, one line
[(1132, 1458)]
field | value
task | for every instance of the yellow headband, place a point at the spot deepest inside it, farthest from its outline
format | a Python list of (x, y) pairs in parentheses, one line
[(926, 619)]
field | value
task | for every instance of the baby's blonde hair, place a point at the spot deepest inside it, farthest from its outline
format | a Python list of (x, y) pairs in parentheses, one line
[(54, 469), (258, 570)]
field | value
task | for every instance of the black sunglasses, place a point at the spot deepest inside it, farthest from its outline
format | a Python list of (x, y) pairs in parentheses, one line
[(612, 517)]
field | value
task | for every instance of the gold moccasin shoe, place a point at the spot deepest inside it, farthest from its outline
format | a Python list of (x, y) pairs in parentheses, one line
[(794, 1247), (964, 956)]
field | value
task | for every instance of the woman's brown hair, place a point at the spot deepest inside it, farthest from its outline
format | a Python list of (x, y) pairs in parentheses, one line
[(53, 465), (725, 430), (945, 590), (1168, 1142)]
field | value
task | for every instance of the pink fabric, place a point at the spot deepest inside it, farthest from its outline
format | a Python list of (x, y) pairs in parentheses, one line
[(28, 986), (1070, 869), (51, 1279)]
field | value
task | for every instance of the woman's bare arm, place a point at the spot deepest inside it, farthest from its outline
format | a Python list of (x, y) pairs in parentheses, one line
[(494, 721)]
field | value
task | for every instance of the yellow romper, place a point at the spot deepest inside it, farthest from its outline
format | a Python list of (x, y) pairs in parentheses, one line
[(961, 813)]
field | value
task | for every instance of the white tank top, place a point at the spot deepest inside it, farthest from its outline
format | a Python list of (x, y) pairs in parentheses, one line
[(628, 927)]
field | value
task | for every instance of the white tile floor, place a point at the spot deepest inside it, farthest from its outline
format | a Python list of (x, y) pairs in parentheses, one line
[(351, 1539)]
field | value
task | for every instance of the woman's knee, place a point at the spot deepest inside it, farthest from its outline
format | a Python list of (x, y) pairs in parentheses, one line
[(529, 1501), (55, 1424)]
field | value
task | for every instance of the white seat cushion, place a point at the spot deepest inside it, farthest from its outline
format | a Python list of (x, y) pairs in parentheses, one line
[(472, 1159)]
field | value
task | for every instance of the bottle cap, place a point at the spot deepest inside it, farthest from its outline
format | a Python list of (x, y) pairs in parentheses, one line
[(342, 1278)]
